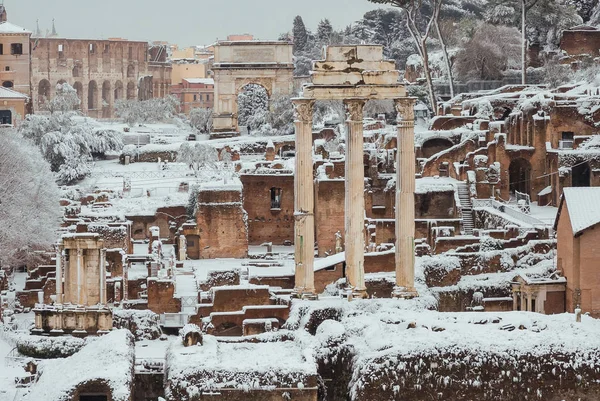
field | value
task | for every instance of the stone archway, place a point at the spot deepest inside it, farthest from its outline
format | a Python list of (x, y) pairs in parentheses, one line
[(130, 91), (435, 145), (44, 92), (118, 95), (252, 99), (78, 86), (92, 96), (519, 176), (107, 101), (238, 64)]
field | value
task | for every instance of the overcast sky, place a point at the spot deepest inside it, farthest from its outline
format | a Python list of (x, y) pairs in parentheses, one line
[(183, 22)]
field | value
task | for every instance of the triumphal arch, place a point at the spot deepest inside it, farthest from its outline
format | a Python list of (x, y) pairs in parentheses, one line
[(239, 63), (354, 75)]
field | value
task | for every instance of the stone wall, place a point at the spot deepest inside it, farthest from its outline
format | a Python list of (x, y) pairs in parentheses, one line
[(267, 224), (160, 296)]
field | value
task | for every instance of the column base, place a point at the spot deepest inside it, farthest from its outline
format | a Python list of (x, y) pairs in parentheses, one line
[(302, 294), (404, 293), (353, 293)]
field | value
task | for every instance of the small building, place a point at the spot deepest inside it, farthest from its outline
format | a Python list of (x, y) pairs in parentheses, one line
[(14, 56), (13, 106), (543, 295), (578, 236), (195, 93)]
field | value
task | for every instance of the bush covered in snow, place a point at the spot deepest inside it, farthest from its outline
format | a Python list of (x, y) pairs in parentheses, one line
[(48, 347), (143, 324)]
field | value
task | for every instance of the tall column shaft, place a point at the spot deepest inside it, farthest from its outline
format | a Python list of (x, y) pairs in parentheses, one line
[(304, 201), (102, 277), (355, 198), (80, 277), (59, 268), (405, 200)]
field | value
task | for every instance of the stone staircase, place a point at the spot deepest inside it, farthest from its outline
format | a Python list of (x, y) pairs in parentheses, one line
[(466, 207)]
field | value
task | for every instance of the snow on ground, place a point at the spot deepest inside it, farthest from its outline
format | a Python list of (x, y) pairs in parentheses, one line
[(9, 370), (547, 214)]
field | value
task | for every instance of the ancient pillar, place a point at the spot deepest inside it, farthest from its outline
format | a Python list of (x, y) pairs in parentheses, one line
[(515, 302), (405, 200), (102, 271), (59, 267), (80, 277), (355, 199), (304, 202)]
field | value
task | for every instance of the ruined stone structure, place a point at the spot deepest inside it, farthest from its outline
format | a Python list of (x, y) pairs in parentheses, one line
[(354, 74), (80, 305), (102, 72), (237, 64)]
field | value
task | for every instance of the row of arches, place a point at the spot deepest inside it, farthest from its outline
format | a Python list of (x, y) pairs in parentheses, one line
[(109, 93)]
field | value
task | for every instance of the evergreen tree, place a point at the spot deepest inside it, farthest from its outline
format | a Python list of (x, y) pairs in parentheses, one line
[(300, 35), (324, 32)]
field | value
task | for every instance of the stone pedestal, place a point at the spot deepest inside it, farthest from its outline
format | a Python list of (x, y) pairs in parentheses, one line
[(304, 202), (405, 201), (355, 199)]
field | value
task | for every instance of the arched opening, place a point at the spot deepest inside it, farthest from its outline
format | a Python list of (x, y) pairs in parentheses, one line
[(118, 90), (434, 146), (92, 95), (130, 71), (106, 99), (505, 114), (130, 91), (8, 84), (43, 91), (519, 176), (79, 88), (580, 175), (76, 71), (252, 105)]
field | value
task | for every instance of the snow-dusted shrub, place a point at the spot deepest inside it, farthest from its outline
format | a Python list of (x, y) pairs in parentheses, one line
[(191, 335), (201, 119), (143, 324), (48, 347), (487, 244), (146, 111)]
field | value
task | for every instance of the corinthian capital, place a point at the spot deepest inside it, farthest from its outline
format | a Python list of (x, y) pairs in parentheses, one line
[(303, 110), (354, 109), (406, 108)]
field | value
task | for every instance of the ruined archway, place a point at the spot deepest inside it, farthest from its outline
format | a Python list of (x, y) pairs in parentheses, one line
[(238, 64), (434, 146), (519, 176), (130, 71), (92, 96), (44, 89), (106, 99), (581, 175), (78, 86), (118, 90), (252, 107), (130, 91)]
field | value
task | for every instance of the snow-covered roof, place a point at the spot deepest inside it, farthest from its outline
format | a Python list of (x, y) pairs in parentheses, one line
[(583, 209), (108, 359), (7, 27), (205, 81), (6, 93)]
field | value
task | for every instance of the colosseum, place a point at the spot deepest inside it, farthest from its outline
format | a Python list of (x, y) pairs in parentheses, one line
[(102, 72)]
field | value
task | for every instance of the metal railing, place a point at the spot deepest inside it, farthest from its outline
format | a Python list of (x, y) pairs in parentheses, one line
[(515, 214)]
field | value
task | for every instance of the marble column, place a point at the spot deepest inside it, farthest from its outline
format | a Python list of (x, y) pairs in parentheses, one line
[(405, 200), (102, 272), (80, 277), (304, 201), (355, 199), (59, 268)]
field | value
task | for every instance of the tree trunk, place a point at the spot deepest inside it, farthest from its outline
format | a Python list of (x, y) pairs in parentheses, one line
[(446, 57), (427, 71), (523, 44)]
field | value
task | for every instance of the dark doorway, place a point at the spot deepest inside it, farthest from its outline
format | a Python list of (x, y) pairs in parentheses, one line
[(519, 175), (581, 175), (434, 146), (5, 117), (93, 398)]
